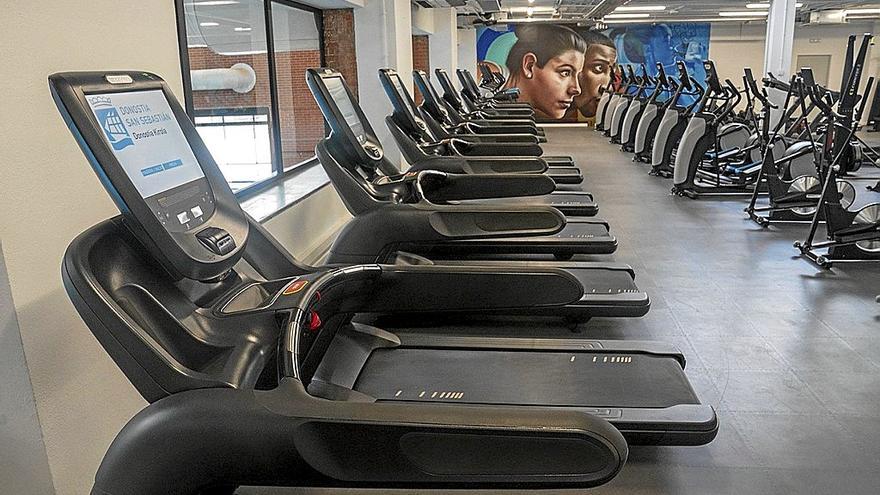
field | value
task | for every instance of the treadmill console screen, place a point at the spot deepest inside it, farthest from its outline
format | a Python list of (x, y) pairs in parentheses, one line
[(398, 86), (149, 144), (346, 106)]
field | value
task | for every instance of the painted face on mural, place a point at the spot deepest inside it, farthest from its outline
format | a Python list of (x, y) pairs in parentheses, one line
[(598, 63), (551, 89)]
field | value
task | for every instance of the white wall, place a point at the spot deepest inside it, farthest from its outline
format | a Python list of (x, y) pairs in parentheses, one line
[(443, 43), (50, 195), (24, 467), (383, 30), (467, 51), (734, 46)]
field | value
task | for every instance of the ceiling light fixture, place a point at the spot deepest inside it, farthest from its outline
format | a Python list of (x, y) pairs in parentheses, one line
[(641, 8), (212, 3), (767, 5), (242, 29), (535, 10), (627, 16), (209, 24), (849, 12), (742, 14), (689, 19)]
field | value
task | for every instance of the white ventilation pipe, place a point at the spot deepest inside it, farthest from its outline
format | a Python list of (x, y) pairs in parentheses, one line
[(240, 78)]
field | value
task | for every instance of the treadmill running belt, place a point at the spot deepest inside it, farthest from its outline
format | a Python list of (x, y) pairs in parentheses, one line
[(572, 379), (569, 203), (597, 281)]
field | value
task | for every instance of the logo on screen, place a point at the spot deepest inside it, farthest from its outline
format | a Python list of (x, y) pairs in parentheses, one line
[(111, 123)]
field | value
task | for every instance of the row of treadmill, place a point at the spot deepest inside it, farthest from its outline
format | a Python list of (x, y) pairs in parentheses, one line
[(792, 150), (263, 371)]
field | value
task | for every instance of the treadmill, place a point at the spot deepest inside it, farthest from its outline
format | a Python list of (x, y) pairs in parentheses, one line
[(470, 91), (258, 378), (427, 135), (464, 107), (572, 203), (496, 127), (395, 212), (451, 96)]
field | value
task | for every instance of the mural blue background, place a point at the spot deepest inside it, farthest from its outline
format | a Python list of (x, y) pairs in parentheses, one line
[(665, 43), (486, 36)]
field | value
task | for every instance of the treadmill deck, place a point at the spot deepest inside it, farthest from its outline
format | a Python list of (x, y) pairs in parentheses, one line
[(569, 379)]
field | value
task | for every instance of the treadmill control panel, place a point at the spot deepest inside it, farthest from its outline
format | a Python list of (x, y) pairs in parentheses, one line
[(142, 132), (152, 161), (347, 108)]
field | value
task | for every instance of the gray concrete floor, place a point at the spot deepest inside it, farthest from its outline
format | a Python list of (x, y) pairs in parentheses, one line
[(788, 354)]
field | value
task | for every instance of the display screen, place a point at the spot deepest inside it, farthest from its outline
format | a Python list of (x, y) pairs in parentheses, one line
[(346, 106), (403, 94), (144, 135)]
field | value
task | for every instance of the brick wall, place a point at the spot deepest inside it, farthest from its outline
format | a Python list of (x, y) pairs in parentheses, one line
[(302, 125), (339, 44), (421, 59)]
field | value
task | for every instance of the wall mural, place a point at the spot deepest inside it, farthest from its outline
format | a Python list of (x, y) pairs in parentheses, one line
[(560, 68)]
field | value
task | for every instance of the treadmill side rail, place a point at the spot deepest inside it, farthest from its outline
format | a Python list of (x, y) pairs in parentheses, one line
[(285, 437)]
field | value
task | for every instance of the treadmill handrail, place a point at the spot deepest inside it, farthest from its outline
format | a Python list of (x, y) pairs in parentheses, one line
[(396, 289)]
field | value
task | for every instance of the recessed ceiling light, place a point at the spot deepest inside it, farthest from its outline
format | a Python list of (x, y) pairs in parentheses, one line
[(641, 8), (242, 29), (209, 24), (767, 5), (861, 11), (534, 10), (742, 14), (627, 16)]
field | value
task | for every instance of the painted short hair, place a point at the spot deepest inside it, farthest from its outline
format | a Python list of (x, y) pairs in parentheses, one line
[(545, 41)]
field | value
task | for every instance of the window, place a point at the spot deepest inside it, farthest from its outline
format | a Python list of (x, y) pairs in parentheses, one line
[(244, 73)]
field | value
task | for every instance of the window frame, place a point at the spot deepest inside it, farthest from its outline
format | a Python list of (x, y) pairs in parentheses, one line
[(278, 172)]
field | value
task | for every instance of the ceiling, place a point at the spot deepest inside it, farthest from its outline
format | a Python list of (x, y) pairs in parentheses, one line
[(675, 9)]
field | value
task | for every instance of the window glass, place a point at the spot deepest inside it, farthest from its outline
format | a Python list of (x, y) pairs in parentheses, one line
[(297, 47), (234, 98)]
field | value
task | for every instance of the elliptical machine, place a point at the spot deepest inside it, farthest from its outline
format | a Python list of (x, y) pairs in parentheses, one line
[(704, 139), (619, 92), (649, 119), (852, 235), (673, 123), (627, 131), (608, 93), (629, 93)]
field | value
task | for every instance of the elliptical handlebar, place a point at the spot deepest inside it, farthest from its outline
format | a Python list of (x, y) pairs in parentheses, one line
[(819, 101), (772, 82), (699, 92), (734, 98), (868, 85)]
